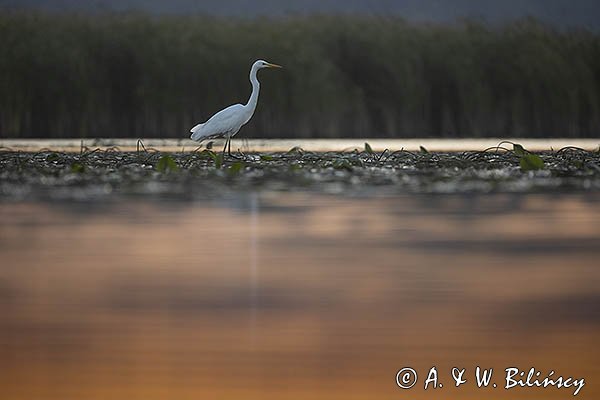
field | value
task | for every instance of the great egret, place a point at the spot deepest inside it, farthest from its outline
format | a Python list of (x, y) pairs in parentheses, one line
[(226, 123)]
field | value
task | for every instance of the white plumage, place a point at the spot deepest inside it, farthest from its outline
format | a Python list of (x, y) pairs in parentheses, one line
[(226, 123)]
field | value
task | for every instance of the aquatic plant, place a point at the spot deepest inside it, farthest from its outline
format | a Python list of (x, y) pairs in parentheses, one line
[(95, 172), (166, 164)]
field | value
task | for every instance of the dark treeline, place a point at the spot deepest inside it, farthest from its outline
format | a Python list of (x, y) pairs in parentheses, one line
[(135, 75)]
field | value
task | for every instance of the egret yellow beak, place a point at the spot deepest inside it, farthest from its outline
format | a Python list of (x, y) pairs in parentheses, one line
[(273, 65)]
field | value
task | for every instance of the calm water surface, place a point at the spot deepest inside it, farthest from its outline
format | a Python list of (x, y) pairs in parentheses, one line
[(297, 296)]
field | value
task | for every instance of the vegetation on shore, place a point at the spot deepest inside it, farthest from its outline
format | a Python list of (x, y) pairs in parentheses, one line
[(136, 75)]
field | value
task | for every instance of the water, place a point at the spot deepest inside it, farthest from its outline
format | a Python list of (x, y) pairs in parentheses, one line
[(296, 296)]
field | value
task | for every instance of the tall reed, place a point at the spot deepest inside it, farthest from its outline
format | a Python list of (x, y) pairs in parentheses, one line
[(136, 75)]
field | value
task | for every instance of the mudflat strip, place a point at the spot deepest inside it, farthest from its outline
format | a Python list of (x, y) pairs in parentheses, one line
[(276, 145)]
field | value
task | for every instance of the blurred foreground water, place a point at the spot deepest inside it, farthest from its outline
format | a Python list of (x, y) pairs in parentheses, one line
[(296, 296)]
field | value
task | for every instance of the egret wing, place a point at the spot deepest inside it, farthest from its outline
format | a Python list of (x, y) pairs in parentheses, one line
[(225, 122)]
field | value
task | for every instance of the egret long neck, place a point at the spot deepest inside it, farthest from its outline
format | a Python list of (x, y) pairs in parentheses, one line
[(255, 90)]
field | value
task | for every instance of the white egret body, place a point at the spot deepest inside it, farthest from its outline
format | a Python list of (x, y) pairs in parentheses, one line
[(226, 123)]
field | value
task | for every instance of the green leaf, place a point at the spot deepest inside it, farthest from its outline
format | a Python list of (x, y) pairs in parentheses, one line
[(368, 148), (218, 159), (531, 162), (266, 158), (166, 164), (519, 150), (236, 168), (423, 150), (77, 168), (208, 153), (342, 164), (52, 157)]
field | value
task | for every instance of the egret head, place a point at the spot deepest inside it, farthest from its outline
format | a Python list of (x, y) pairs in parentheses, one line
[(265, 64)]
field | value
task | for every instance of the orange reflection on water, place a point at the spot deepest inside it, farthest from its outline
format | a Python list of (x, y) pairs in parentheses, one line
[(296, 296)]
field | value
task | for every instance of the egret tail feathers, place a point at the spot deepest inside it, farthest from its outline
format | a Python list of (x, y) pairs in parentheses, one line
[(196, 134)]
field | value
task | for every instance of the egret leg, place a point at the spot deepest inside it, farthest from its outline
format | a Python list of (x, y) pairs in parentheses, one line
[(228, 147), (225, 147)]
